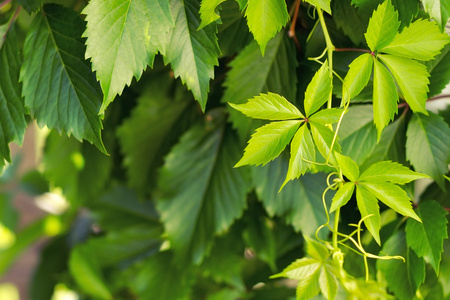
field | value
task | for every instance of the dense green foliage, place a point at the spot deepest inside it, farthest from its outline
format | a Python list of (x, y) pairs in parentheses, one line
[(260, 149)]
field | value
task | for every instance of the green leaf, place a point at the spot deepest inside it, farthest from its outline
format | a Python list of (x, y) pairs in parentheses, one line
[(357, 77), (12, 110), (192, 53), (322, 4), (161, 115), (326, 116), (192, 193), (391, 145), (328, 282), (297, 201), (268, 142), (422, 40), (160, 23), (316, 249), (308, 287), (368, 205), (439, 69), (342, 196), (393, 196), (427, 146), (385, 97), (390, 171), (348, 167), (318, 91), (407, 11), (300, 269), (323, 138), (265, 18), (208, 11), (159, 277), (30, 5), (382, 27), (302, 147), (269, 106), (350, 21), (411, 273), (275, 72), (412, 79), (87, 274), (78, 168), (357, 135), (56, 78), (117, 43), (427, 238), (439, 10)]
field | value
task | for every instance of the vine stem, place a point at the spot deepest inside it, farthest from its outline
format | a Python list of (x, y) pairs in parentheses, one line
[(336, 227), (330, 46)]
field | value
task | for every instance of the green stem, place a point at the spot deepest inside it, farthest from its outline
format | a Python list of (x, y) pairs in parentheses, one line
[(336, 227), (330, 46)]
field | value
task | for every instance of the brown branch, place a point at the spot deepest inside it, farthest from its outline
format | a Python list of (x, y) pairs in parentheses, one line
[(291, 31)]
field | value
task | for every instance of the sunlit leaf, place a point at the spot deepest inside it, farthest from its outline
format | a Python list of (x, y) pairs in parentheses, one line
[(342, 196), (348, 167), (357, 77), (382, 27), (390, 171), (318, 91), (369, 209)]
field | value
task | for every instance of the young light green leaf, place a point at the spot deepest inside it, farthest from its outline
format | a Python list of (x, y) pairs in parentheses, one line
[(427, 146), (385, 97), (300, 269), (302, 147), (390, 171), (117, 43), (318, 91), (393, 196), (323, 138), (208, 12), (308, 287), (267, 142), (327, 116), (357, 77), (427, 238), (328, 282), (316, 250), (56, 77), (412, 79), (12, 109), (422, 40), (382, 27), (274, 72), (190, 190), (265, 18), (269, 106), (322, 4), (342, 196), (439, 10), (192, 53), (348, 166), (368, 206)]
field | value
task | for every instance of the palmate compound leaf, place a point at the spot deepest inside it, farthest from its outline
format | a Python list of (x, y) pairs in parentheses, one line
[(439, 10), (192, 52), (412, 79), (427, 146), (274, 72), (318, 91), (422, 40), (427, 238), (58, 85), (385, 97), (265, 18), (358, 76), (382, 27), (118, 43), (268, 142), (269, 106), (200, 194), (12, 110)]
